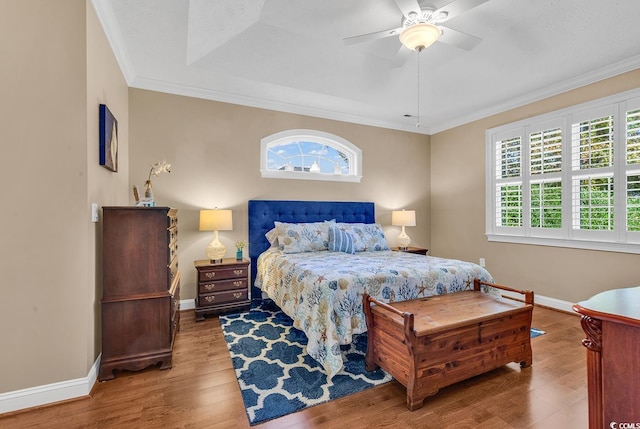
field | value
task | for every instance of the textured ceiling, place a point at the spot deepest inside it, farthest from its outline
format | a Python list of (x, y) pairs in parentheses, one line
[(289, 55)]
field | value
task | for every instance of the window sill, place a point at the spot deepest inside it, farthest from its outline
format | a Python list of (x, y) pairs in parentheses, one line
[(574, 244), (309, 176)]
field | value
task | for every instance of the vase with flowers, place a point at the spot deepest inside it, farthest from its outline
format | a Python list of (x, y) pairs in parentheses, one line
[(239, 246), (156, 169)]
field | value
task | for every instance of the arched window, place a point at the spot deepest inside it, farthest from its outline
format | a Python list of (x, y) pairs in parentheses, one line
[(310, 155)]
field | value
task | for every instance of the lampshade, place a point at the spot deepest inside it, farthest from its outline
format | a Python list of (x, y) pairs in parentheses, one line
[(403, 218), (216, 220), (419, 36)]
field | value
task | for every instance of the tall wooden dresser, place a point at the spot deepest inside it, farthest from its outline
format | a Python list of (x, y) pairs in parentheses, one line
[(141, 288)]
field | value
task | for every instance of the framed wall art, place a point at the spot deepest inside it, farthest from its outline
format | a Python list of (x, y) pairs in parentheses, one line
[(108, 139)]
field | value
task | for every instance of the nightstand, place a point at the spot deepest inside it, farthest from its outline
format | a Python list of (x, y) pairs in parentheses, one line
[(222, 286), (410, 249)]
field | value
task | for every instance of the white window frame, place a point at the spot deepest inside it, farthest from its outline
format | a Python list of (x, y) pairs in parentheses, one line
[(353, 153), (617, 240)]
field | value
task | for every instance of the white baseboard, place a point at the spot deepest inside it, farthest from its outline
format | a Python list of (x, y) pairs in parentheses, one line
[(187, 304), (554, 303), (62, 391), (49, 393), (544, 301)]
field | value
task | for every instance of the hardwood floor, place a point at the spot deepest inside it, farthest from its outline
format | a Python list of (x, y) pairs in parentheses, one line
[(201, 391)]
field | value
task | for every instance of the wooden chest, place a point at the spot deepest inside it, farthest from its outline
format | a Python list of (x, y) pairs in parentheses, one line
[(430, 343)]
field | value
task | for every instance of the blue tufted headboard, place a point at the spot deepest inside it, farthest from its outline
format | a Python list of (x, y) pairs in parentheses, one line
[(263, 213)]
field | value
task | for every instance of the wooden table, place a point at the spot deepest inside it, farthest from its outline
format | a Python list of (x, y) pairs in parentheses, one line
[(611, 321), (430, 343)]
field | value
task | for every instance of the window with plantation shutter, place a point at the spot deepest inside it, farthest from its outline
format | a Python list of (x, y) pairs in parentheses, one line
[(632, 170), (592, 171), (545, 154), (546, 151), (509, 182), (633, 202), (546, 204), (569, 178)]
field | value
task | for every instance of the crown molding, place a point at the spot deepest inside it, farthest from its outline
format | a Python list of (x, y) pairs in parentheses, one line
[(594, 76), (112, 32), (243, 100)]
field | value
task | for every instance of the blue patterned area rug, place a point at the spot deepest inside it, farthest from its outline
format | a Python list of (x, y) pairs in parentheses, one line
[(536, 332), (275, 374)]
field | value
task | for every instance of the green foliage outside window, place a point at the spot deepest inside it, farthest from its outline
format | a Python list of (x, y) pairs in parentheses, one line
[(596, 143), (546, 205), (633, 203), (511, 205), (596, 204)]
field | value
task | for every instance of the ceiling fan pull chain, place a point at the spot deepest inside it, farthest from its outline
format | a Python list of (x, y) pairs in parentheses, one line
[(418, 123)]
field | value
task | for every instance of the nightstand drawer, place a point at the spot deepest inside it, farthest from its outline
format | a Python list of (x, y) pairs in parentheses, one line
[(223, 273), (223, 297), (223, 285)]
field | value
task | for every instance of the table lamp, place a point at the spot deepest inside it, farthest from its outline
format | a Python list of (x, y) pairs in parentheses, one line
[(403, 218), (216, 220)]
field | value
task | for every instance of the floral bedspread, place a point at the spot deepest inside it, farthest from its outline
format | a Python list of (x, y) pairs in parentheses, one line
[(322, 291)]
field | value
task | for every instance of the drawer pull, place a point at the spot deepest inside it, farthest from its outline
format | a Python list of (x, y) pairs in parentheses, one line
[(237, 295), (210, 298), (210, 274), (237, 272), (237, 283), (210, 287)]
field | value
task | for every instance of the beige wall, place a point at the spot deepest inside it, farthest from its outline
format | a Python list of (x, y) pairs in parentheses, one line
[(105, 85), (49, 140), (458, 211), (214, 149)]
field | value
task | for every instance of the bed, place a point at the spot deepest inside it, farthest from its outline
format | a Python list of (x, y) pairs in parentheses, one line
[(321, 289)]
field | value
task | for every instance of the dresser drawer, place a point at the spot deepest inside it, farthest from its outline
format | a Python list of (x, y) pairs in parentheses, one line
[(173, 270), (175, 302), (172, 240), (223, 285), (233, 272), (223, 297)]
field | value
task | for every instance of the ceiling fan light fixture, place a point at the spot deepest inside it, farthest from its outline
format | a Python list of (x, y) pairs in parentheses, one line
[(419, 36)]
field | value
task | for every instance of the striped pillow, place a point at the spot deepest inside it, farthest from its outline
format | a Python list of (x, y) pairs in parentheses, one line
[(340, 241)]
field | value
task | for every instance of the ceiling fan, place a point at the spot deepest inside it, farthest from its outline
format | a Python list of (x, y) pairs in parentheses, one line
[(419, 17)]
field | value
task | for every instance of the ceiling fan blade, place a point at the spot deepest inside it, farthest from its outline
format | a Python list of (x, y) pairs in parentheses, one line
[(457, 7), (372, 36), (408, 6), (457, 38)]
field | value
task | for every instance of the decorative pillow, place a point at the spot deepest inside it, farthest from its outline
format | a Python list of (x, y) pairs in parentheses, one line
[(366, 236), (340, 241), (302, 237), (272, 236)]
